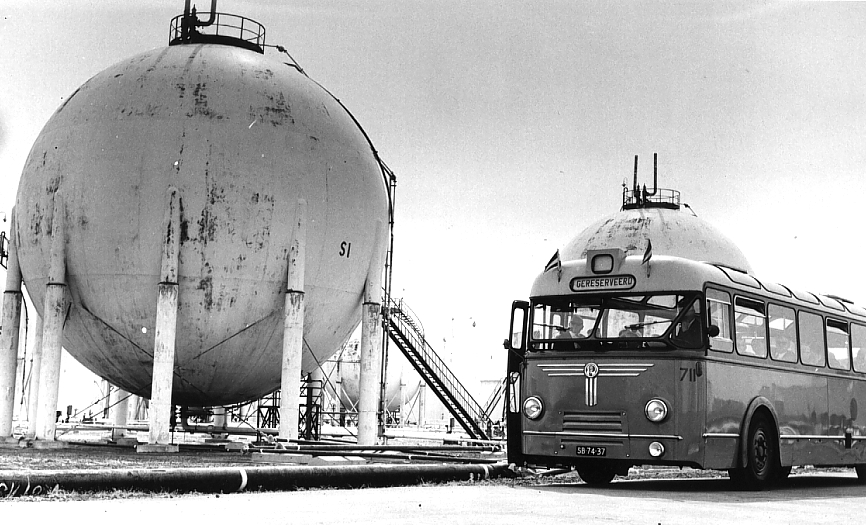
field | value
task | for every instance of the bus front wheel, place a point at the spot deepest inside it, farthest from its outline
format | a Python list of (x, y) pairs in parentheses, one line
[(762, 455), (861, 473), (596, 474)]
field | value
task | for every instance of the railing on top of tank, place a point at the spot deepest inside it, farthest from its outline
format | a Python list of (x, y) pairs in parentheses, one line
[(642, 198), (224, 25)]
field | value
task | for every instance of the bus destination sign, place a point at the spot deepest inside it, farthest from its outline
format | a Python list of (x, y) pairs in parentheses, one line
[(611, 282)]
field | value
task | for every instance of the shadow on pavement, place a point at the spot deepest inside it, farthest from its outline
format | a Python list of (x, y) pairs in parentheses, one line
[(804, 487)]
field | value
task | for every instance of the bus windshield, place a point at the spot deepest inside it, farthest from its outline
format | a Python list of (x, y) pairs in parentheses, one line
[(673, 317)]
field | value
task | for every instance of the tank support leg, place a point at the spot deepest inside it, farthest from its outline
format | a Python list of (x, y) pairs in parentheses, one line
[(35, 375), (371, 348), (9, 338), (54, 313), (164, 338), (119, 411), (293, 329)]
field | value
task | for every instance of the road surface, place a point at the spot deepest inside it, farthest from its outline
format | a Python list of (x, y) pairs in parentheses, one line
[(812, 498)]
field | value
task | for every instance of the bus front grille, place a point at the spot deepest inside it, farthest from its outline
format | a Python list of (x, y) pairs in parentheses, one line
[(603, 422)]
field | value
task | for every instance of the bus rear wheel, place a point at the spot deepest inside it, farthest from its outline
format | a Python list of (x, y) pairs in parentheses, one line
[(596, 474), (861, 473), (762, 455)]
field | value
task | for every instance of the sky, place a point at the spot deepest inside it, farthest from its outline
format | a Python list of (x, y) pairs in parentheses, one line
[(511, 125)]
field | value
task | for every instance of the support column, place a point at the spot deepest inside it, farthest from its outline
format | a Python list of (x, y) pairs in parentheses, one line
[(106, 398), (293, 329), (403, 412), (9, 338), (219, 418), (164, 339), (119, 412), (371, 348), (35, 374), (218, 429), (422, 404), (338, 388), (54, 314)]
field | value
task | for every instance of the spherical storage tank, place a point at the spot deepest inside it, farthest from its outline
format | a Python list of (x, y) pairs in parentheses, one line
[(242, 138), (657, 217), (401, 381)]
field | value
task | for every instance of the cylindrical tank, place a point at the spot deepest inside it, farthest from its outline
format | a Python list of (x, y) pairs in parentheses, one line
[(242, 138), (662, 221)]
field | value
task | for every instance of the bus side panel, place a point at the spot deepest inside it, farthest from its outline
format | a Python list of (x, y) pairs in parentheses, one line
[(691, 381), (799, 401), (845, 416)]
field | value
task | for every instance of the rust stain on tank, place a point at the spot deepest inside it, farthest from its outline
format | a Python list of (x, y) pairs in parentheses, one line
[(200, 106), (206, 285), (265, 74), (276, 112)]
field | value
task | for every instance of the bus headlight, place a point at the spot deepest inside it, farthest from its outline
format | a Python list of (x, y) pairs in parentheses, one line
[(656, 449), (533, 407), (656, 410)]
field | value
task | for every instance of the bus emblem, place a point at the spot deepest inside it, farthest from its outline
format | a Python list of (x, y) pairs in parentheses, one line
[(591, 373)]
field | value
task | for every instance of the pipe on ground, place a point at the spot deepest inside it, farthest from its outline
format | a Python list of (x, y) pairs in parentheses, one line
[(238, 479)]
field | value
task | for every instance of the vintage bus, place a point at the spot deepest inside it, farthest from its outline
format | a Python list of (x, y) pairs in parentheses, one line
[(621, 360)]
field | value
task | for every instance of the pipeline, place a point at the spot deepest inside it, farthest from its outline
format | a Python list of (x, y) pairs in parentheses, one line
[(238, 479), (384, 448), (399, 456)]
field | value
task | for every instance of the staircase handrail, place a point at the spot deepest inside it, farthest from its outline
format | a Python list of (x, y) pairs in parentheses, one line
[(402, 307), (445, 374), (494, 397)]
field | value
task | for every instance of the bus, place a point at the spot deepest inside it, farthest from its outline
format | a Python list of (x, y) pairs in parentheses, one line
[(620, 360)]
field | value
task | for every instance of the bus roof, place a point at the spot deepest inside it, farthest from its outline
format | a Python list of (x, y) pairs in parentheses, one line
[(616, 272)]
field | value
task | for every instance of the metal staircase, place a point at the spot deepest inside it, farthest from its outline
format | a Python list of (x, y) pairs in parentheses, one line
[(494, 398), (406, 332)]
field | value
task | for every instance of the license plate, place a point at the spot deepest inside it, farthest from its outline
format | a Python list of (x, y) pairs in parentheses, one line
[(591, 451)]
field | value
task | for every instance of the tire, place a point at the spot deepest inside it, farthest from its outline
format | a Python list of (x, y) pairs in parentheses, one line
[(861, 474), (762, 454), (596, 474), (782, 474), (738, 476)]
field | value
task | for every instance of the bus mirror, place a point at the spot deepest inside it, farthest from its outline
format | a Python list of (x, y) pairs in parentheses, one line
[(506, 344), (713, 330)]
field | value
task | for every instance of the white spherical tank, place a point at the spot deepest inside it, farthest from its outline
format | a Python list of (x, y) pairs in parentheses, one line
[(671, 230), (242, 138), (400, 376)]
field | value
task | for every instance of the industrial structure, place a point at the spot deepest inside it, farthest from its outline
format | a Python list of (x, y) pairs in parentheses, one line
[(204, 226), (192, 217)]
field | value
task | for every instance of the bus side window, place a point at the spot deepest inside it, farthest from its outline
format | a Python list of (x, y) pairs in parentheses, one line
[(783, 333), (838, 353), (858, 346), (751, 327), (719, 309), (811, 339)]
